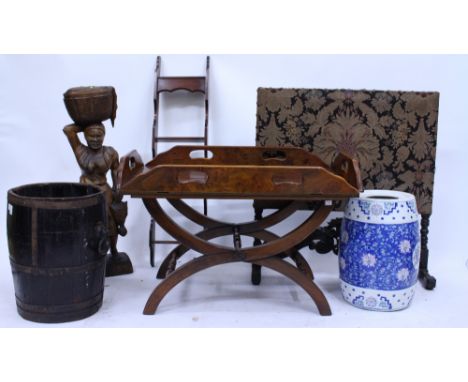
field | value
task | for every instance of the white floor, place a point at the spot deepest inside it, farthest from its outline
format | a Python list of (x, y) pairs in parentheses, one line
[(224, 297)]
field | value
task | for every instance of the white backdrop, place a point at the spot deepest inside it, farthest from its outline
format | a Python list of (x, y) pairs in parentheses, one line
[(34, 149)]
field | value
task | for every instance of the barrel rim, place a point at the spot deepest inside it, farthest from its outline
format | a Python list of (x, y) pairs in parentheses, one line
[(40, 201)]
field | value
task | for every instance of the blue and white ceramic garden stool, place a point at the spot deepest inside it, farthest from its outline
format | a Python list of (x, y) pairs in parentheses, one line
[(379, 250)]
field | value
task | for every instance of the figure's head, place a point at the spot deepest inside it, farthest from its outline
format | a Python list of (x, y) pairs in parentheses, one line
[(94, 135)]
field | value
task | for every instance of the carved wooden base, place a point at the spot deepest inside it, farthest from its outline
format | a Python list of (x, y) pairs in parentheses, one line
[(117, 265)]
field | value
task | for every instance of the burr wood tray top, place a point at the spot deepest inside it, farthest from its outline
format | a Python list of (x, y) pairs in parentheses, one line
[(220, 172)]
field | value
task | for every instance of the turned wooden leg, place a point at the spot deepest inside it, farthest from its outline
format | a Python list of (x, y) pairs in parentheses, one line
[(152, 238), (256, 276), (428, 281), (301, 264), (256, 273)]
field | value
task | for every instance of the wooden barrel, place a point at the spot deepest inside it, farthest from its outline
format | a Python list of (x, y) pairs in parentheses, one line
[(57, 238)]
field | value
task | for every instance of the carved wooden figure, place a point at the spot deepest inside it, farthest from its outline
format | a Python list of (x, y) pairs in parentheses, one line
[(88, 107)]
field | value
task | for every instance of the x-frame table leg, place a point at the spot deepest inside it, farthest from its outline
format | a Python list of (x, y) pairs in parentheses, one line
[(266, 254), (169, 263)]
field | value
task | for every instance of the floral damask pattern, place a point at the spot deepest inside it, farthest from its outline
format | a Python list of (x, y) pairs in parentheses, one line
[(391, 133)]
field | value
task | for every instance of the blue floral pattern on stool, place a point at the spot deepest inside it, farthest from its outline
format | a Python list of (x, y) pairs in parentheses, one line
[(380, 250), (379, 256)]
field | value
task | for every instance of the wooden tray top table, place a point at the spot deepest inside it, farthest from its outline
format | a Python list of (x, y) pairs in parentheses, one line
[(291, 174)]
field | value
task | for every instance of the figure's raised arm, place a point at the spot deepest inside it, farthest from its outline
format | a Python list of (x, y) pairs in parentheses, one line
[(71, 131)]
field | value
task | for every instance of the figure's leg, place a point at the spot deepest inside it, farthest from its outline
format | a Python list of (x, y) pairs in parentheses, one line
[(428, 281)]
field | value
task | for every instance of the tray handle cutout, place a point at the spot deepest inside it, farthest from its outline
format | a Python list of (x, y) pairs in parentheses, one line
[(287, 179), (192, 176), (274, 155), (201, 154)]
